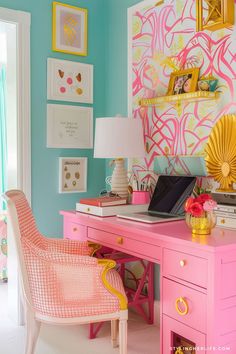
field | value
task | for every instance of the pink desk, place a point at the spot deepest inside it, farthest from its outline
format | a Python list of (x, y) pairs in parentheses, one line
[(198, 276)]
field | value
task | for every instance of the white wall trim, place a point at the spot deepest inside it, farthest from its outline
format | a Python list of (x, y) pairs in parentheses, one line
[(22, 20)]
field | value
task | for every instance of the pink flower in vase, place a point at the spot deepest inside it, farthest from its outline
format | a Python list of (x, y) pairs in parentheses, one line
[(209, 205)]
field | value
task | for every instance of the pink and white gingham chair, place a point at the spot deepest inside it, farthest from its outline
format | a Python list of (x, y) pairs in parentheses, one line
[(62, 283)]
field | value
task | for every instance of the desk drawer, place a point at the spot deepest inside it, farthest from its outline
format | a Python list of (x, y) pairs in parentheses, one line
[(193, 308), (122, 243), (186, 267), (74, 231)]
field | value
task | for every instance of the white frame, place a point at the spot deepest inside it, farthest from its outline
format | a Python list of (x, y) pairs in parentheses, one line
[(59, 120), (54, 80), (69, 162)]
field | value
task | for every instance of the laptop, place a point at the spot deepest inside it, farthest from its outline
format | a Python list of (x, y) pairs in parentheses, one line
[(167, 203)]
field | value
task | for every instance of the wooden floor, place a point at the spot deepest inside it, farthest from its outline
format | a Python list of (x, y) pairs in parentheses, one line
[(142, 338)]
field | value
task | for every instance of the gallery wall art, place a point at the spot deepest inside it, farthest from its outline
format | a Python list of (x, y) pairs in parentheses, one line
[(69, 126), (69, 81), (72, 174), (69, 33)]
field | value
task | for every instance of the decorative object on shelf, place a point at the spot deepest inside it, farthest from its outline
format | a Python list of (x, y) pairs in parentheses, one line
[(69, 81), (69, 33), (180, 165), (214, 14), (189, 97), (207, 83), (221, 153), (72, 174), (119, 138), (69, 126), (200, 216), (183, 81)]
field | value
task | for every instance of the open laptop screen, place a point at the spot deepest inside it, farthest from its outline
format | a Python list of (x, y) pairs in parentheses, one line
[(170, 194)]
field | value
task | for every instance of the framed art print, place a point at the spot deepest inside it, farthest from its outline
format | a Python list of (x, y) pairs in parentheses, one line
[(72, 174), (69, 29), (69, 81), (69, 126)]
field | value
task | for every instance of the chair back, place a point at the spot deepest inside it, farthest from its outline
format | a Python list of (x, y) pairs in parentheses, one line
[(22, 225)]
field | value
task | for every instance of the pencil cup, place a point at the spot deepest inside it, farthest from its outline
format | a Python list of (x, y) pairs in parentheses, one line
[(140, 197)]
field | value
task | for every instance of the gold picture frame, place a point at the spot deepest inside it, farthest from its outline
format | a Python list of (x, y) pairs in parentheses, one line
[(183, 81), (214, 14), (69, 29)]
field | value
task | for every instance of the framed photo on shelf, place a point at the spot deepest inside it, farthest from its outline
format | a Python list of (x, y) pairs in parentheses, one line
[(69, 34), (69, 126), (69, 81), (72, 174), (183, 81)]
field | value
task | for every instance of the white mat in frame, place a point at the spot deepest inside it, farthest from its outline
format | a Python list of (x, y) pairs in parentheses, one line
[(69, 126), (72, 174), (69, 81)]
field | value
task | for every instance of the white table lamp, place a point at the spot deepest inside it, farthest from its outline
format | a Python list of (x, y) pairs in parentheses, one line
[(119, 138)]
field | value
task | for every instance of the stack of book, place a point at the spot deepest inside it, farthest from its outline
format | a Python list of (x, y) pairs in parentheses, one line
[(108, 206), (226, 210), (226, 216), (103, 201)]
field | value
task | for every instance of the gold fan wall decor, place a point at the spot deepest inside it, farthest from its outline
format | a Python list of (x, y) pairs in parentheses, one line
[(221, 153)]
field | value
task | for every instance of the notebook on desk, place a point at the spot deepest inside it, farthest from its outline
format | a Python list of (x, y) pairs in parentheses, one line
[(167, 203)]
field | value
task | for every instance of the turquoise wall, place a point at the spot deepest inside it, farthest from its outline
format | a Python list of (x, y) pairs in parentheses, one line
[(107, 51), (46, 200)]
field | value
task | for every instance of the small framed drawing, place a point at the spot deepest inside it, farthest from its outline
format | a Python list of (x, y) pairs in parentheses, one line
[(72, 174), (69, 126), (183, 81), (69, 81), (69, 34)]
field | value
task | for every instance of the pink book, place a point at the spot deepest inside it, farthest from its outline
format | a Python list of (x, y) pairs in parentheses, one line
[(103, 201)]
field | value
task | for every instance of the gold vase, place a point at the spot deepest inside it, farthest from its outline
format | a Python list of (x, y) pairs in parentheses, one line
[(201, 225)]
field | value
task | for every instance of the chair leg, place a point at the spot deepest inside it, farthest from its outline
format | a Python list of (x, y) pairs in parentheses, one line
[(114, 333), (33, 328), (123, 336)]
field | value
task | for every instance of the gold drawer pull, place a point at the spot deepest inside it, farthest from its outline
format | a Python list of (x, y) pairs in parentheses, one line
[(184, 304), (120, 240), (222, 221), (88, 210), (179, 351), (182, 263), (75, 229)]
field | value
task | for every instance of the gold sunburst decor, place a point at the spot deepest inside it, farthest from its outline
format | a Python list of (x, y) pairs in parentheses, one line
[(221, 153)]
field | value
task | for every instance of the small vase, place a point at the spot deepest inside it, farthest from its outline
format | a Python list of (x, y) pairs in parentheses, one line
[(201, 225)]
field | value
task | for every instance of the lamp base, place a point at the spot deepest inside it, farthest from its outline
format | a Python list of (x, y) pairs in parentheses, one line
[(119, 179)]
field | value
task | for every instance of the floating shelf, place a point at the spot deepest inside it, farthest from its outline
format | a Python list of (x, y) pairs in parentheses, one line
[(189, 97)]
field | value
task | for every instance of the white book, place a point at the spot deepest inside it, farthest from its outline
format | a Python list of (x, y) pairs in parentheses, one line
[(226, 208), (111, 210)]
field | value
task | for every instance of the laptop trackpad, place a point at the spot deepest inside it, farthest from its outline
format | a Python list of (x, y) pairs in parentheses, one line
[(156, 215)]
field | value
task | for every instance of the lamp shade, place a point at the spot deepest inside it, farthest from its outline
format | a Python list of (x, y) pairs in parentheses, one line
[(118, 137)]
